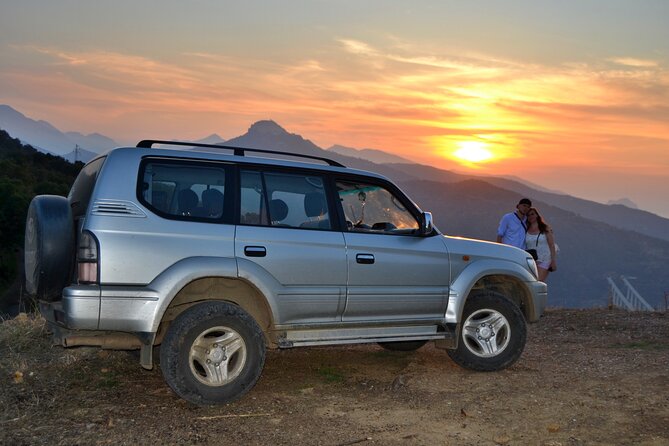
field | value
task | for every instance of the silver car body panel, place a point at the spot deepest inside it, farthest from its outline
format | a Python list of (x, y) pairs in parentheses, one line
[(408, 279), (81, 306), (307, 267), (488, 259)]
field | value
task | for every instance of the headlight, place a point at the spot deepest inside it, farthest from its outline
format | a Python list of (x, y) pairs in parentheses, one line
[(532, 266)]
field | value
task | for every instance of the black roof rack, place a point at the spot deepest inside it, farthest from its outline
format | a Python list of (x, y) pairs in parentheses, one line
[(238, 151)]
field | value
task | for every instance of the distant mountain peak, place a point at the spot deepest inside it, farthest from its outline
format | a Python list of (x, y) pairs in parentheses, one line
[(214, 138), (267, 134), (45, 137), (624, 202), (6, 109), (267, 127)]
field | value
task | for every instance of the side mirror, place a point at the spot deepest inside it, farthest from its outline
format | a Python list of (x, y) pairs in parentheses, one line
[(426, 224)]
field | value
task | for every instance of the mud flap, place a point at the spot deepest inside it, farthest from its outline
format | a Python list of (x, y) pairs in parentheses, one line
[(146, 350)]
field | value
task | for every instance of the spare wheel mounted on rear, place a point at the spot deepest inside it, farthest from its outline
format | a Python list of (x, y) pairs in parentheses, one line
[(49, 246)]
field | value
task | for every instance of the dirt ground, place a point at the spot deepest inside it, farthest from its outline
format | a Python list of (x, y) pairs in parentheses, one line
[(591, 377)]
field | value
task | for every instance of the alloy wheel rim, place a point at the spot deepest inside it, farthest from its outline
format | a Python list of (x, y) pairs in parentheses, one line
[(217, 356), (486, 333)]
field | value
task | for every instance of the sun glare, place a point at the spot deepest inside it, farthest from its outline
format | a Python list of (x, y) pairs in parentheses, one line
[(473, 152)]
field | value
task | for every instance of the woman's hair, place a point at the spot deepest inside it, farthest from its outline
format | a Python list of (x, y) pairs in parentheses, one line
[(543, 226)]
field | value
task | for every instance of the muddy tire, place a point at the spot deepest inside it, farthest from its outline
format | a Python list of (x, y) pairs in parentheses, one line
[(49, 247), (404, 346), (213, 353), (492, 333)]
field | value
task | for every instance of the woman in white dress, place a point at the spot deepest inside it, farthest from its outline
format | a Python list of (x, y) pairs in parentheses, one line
[(539, 236)]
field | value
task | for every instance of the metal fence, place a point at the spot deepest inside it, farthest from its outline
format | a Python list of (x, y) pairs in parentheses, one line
[(630, 300)]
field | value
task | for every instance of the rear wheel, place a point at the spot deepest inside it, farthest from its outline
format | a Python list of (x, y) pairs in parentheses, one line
[(404, 346), (492, 335), (213, 353), (49, 246)]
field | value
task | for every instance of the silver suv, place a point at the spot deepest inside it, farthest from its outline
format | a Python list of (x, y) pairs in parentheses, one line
[(217, 253)]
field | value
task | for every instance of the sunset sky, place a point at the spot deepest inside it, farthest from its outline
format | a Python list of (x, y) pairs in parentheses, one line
[(572, 96)]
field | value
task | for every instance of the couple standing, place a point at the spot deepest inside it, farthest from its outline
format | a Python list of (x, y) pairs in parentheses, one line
[(525, 229)]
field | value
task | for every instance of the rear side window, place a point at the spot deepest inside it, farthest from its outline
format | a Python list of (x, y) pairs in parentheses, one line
[(185, 190), (82, 189), (283, 200)]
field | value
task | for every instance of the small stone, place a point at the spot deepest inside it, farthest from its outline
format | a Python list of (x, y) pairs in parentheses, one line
[(398, 382), (553, 428), (502, 439)]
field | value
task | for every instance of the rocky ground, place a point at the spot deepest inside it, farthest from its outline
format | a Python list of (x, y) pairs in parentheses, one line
[(592, 377)]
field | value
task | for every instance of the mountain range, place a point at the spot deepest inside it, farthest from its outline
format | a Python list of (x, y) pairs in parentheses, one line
[(591, 250), (47, 138), (373, 155), (596, 240)]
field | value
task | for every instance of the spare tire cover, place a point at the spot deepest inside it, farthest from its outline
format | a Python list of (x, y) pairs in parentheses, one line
[(49, 246)]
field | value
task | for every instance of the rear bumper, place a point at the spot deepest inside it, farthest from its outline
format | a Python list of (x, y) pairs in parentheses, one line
[(79, 308), (127, 309)]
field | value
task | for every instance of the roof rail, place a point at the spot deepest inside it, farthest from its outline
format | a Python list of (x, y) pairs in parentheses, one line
[(238, 151)]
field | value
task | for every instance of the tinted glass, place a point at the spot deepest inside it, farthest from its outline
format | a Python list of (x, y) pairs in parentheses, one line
[(284, 200), (372, 208), (82, 189), (252, 206), (185, 190)]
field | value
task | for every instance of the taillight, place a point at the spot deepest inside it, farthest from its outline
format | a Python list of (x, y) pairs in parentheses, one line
[(87, 259)]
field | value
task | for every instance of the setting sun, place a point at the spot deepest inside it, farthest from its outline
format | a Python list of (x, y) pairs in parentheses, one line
[(473, 152)]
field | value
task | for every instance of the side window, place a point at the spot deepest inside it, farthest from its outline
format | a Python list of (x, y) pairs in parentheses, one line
[(372, 208), (82, 189), (253, 209), (184, 190), (284, 200)]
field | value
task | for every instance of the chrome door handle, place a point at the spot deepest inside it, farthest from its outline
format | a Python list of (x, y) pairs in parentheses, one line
[(255, 251), (365, 259)]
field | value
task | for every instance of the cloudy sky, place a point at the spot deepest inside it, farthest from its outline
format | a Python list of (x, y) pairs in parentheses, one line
[(572, 96)]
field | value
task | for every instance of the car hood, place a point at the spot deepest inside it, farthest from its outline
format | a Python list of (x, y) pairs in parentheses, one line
[(483, 249)]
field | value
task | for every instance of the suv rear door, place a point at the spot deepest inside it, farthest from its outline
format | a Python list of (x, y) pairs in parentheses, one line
[(284, 232), (393, 272)]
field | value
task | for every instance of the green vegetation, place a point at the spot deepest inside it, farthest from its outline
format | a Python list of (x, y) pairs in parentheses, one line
[(24, 173), (331, 375), (644, 344)]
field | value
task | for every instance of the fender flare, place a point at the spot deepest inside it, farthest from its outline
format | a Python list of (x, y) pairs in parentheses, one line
[(462, 286), (171, 281)]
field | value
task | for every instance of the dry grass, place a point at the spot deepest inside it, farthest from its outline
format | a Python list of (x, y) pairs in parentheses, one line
[(586, 377), (24, 348), (30, 367)]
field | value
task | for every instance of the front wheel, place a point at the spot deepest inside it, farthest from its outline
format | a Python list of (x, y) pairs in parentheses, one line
[(213, 353), (492, 335)]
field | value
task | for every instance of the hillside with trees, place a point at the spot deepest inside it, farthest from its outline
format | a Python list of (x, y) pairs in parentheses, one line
[(24, 173)]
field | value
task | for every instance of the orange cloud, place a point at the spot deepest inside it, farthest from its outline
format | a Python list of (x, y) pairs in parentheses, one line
[(401, 97)]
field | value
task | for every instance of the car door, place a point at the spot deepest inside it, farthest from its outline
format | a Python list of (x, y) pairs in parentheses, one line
[(285, 242), (394, 273)]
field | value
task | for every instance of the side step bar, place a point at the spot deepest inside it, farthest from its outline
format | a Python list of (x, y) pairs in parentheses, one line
[(339, 336)]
